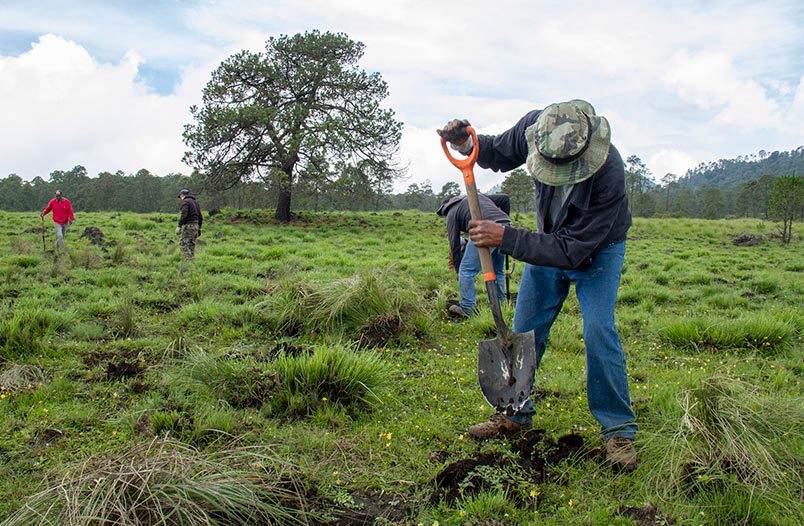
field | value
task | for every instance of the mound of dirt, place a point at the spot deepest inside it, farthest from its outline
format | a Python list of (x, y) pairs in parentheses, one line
[(94, 235), (381, 330), (535, 454), (746, 240), (645, 516), (123, 369)]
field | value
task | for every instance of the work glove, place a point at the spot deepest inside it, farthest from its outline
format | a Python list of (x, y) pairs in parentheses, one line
[(41, 214), (178, 230), (69, 223), (454, 132)]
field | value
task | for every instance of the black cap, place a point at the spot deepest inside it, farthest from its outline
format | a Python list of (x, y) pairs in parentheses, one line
[(447, 203), (183, 191)]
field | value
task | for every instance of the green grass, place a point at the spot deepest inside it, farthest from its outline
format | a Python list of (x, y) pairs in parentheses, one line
[(324, 345)]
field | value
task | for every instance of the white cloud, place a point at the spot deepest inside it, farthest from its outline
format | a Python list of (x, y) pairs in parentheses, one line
[(668, 161), (796, 116), (65, 109), (710, 81), (675, 86)]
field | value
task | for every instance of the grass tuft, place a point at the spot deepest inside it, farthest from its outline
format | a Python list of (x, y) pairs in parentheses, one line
[(735, 448), (339, 375), (372, 308), (757, 331), (23, 333), (239, 381), (167, 483), (21, 377)]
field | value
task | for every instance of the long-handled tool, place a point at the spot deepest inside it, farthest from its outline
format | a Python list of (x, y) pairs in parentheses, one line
[(507, 280), (506, 365), (508, 272), (44, 245)]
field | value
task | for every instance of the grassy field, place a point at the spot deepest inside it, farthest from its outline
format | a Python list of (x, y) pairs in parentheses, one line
[(308, 373)]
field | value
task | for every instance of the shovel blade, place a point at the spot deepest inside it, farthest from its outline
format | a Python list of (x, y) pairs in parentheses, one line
[(506, 374)]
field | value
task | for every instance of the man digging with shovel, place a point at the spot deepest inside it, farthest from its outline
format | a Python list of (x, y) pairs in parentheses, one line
[(583, 218)]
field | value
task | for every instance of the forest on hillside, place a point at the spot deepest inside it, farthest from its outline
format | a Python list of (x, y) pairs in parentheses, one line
[(739, 187), (727, 173)]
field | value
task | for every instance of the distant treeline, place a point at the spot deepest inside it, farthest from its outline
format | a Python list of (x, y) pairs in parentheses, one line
[(728, 173), (740, 187), (728, 188)]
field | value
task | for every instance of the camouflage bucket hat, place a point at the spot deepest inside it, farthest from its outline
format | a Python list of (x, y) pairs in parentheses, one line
[(567, 144)]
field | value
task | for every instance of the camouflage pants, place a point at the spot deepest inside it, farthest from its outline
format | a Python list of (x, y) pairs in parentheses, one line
[(189, 233)]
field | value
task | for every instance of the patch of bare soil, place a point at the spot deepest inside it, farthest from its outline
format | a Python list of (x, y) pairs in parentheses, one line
[(381, 330), (368, 507), (746, 240), (123, 369), (120, 364), (535, 452), (94, 235), (645, 516), (45, 438), (286, 348)]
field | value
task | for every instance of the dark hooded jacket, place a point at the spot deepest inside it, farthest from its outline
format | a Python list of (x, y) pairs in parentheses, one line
[(495, 207), (190, 212), (594, 215)]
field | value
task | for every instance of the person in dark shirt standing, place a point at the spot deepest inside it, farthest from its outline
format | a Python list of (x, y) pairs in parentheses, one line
[(190, 221)]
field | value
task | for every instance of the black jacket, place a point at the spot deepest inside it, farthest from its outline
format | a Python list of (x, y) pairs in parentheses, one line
[(594, 216), (190, 212), (458, 216)]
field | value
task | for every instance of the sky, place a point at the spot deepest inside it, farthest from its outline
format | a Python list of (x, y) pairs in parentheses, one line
[(109, 84)]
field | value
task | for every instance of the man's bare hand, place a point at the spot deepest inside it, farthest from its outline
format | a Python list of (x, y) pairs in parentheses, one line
[(485, 233)]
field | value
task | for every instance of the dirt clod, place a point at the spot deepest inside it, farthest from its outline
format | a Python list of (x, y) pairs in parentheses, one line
[(94, 235), (381, 330), (123, 369), (645, 516), (535, 452), (746, 240)]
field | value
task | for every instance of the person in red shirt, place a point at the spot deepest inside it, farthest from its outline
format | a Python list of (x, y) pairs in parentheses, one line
[(62, 216)]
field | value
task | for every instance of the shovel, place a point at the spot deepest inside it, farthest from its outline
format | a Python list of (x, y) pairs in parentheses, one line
[(506, 365), (44, 245)]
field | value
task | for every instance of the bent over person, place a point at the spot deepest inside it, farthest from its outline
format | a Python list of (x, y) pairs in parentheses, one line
[(190, 221), (466, 262), (62, 216), (582, 220)]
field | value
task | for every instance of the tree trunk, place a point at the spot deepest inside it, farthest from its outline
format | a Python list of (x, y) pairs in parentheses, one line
[(285, 186), (283, 205)]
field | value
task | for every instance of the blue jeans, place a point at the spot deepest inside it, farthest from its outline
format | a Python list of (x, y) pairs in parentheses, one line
[(470, 267), (542, 292)]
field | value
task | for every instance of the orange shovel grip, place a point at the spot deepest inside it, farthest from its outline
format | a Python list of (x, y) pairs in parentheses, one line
[(464, 165)]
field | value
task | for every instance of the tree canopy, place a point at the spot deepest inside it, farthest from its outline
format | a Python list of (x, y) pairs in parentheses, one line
[(520, 189), (290, 114), (786, 202)]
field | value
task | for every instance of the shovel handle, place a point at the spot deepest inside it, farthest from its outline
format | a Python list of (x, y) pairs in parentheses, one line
[(486, 264), (466, 167)]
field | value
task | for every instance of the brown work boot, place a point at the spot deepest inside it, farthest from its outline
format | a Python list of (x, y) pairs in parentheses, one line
[(497, 426), (457, 311), (621, 453)]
